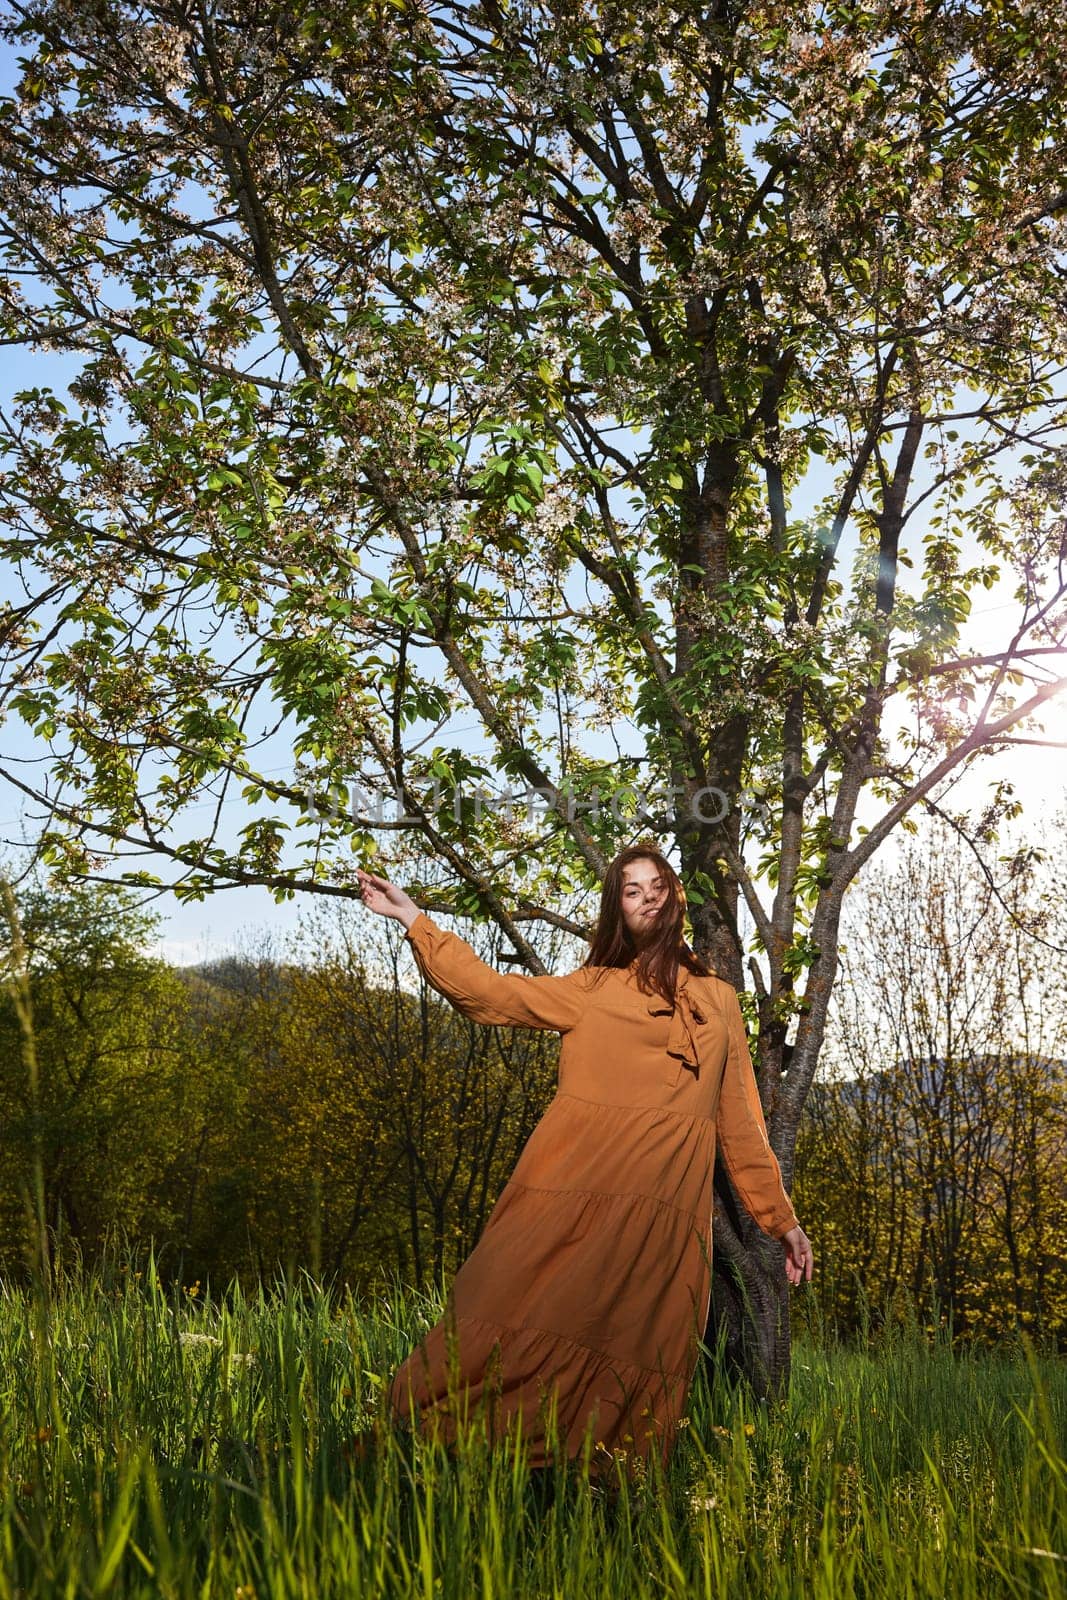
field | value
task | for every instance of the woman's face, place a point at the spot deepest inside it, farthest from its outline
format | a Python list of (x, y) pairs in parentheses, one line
[(643, 894)]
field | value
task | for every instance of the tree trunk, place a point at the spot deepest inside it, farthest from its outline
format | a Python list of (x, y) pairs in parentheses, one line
[(748, 1318)]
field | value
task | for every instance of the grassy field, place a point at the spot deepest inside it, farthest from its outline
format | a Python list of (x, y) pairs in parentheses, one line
[(152, 1444)]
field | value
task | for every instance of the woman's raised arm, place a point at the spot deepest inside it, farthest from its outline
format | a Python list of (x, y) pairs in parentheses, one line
[(451, 967)]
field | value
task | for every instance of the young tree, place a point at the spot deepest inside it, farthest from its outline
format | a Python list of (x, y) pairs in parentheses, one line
[(103, 1115), (936, 1156), (684, 365), (229, 1176)]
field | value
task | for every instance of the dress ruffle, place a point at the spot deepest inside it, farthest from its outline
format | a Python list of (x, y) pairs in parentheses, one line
[(552, 1388)]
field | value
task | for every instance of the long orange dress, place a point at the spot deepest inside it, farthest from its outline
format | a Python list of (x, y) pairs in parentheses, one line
[(589, 1287)]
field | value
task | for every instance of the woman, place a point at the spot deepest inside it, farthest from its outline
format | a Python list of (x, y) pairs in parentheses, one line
[(582, 1303)]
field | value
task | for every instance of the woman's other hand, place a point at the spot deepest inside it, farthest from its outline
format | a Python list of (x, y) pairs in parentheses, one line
[(799, 1257), (385, 898)]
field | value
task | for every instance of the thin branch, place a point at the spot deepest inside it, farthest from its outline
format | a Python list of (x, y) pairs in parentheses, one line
[(975, 740)]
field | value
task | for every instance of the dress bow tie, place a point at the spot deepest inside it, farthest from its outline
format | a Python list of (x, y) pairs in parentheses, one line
[(685, 1014)]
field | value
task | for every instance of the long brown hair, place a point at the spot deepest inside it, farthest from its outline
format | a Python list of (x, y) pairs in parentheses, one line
[(661, 955)]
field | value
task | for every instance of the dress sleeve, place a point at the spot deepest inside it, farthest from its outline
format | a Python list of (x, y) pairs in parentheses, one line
[(742, 1131), (521, 1000)]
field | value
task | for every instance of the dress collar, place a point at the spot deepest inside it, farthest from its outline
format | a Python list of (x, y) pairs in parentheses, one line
[(685, 1014)]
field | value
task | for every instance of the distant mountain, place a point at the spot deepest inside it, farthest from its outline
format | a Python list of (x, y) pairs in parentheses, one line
[(237, 975)]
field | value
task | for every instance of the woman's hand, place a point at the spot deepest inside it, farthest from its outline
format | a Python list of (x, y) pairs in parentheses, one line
[(799, 1257), (385, 898)]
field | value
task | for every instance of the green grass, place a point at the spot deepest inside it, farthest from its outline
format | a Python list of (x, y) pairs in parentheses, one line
[(136, 1462)]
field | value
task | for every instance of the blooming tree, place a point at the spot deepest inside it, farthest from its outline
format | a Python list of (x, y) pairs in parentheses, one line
[(651, 385)]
